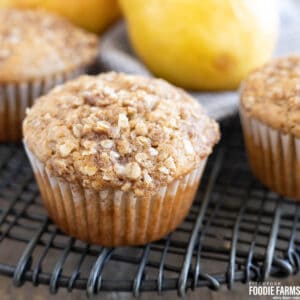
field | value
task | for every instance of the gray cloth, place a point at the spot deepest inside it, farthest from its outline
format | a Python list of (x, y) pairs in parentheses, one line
[(116, 54)]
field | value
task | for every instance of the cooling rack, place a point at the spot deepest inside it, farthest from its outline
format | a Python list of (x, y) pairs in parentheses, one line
[(236, 231)]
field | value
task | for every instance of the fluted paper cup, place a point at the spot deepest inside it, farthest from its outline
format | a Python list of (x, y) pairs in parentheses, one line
[(273, 155), (112, 217), (16, 97)]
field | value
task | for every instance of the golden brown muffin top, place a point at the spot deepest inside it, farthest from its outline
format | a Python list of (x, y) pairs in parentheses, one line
[(35, 44), (117, 130), (271, 94)]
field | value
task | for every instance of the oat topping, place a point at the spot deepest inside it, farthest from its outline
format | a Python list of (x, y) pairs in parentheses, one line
[(35, 43), (272, 93), (117, 130)]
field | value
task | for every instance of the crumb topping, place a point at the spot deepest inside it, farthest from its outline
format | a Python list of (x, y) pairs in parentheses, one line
[(272, 94), (117, 130), (36, 43)]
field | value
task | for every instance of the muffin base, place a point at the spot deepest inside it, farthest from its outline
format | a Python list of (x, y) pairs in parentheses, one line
[(112, 217), (16, 97), (274, 156)]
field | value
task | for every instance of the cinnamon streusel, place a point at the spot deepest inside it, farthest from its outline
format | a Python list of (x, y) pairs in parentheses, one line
[(270, 114), (38, 51), (121, 155)]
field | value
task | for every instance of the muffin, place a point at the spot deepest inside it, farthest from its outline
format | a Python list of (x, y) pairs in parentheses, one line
[(270, 114), (117, 157), (38, 51)]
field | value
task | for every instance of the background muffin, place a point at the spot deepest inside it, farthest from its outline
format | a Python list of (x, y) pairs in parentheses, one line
[(270, 114), (38, 50), (118, 157)]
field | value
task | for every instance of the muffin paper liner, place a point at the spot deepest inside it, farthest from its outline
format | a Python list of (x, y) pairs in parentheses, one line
[(274, 156), (112, 217), (16, 97)]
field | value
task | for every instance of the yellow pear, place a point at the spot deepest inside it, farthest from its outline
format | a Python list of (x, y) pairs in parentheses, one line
[(93, 15), (202, 44)]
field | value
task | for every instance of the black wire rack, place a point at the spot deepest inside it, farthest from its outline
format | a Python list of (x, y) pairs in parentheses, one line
[(236, 231)]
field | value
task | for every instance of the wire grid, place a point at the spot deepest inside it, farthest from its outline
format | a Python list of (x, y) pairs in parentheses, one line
[(236, 231)]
